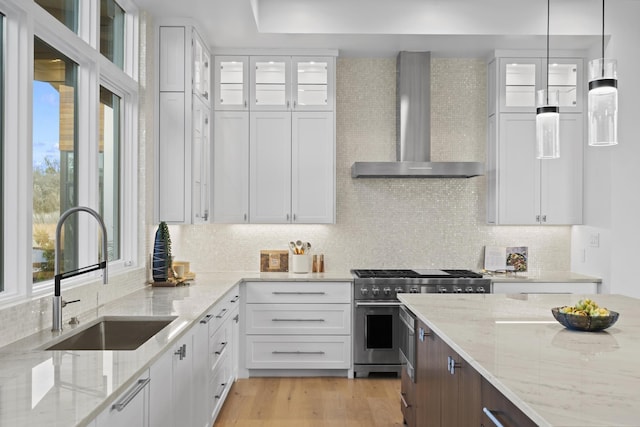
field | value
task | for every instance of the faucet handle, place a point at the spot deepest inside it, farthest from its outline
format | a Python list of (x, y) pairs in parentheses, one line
[(64, 303)]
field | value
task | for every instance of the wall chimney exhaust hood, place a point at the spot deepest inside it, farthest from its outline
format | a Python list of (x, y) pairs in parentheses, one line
[(413, 129)]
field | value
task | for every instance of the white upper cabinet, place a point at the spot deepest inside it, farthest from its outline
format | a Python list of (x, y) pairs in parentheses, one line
[(231, 81), (521, 78), (270, 78), (313, 83), (201, 68), (523, 190), (183, 160)]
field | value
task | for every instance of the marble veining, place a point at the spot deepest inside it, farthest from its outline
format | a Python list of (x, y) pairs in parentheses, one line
[(556, 376)]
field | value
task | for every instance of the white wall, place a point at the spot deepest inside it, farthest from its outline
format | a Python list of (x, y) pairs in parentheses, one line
[(612, 196)]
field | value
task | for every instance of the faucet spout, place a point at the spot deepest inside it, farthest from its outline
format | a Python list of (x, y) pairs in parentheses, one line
[(58, 275)]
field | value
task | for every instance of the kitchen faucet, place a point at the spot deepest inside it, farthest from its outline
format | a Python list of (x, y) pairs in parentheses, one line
[(58, 303)]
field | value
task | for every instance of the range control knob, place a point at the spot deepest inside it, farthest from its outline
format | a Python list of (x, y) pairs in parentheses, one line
[(399, 290), (469, 289), (387, 291), (364, 291), (457, 289), (480, 290), (442, 290), (414, 290), (375, 291)]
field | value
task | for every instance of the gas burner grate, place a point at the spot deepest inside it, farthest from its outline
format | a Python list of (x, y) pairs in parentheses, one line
[(399, 274)]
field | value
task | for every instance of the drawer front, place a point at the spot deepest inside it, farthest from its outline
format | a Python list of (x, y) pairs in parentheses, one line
[(314, 319), (299, 292), (300, 352), (220, 312), (220, 344), (220, 384)]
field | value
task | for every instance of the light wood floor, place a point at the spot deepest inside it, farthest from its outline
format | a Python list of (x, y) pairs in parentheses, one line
[(312, 402)]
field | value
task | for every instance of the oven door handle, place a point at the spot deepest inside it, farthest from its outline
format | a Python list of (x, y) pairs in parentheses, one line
[(379, 304)]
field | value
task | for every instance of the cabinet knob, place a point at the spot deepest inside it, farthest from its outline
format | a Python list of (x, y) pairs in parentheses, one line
[(287, 217), (544, 218), (537, 218)]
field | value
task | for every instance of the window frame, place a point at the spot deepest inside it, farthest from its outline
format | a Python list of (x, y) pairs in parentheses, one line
[(23, 22)]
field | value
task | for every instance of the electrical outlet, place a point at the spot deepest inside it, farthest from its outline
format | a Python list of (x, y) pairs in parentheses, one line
[(594, 240)]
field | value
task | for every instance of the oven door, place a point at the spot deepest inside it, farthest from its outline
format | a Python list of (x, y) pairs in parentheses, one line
[(376, 333)]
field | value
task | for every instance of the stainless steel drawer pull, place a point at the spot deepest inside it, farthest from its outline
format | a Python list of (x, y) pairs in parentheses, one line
[(404, 402), (206, 318), (297, 293), (297, 320), (222, 347), (119, 406), (222, 387), (378, 304), (492, 417), (221, 314), (236, 298), (297, 352)]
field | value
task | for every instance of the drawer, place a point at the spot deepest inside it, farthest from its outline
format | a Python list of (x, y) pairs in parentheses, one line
[(298, 352), (221, 382), (314, 319), (221, 310), (220, 344), (299, 292)]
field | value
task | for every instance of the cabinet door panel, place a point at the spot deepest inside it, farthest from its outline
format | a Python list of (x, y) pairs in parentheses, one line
[(313, 168), (172, 59), (562, 178), (201, 161), (270, 165), (133, 413), (231, 80), (270, 83), (519, 174), (231, 167), (172, 198), (308, 319), (313, 83)]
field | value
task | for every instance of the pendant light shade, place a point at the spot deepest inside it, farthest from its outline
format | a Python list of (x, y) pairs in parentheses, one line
[(603, 99), (603, 103), (547, 125), (547, 115)]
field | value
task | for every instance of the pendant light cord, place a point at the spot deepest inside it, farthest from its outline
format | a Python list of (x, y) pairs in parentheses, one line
[(602, 39), (548, 14)]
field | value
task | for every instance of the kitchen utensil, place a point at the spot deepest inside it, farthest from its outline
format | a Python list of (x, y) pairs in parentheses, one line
[(299, 246), (293, 248), (307, 247)]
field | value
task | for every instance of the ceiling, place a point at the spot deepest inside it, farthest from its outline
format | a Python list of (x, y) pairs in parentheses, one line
[(469, 28)]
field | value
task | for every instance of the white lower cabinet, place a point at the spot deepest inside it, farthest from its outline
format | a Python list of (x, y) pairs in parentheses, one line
[(172, 385), (545, 288), (298, 325), (131, 409)]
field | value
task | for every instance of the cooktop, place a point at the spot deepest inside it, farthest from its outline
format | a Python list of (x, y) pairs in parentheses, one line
[(416, 273)]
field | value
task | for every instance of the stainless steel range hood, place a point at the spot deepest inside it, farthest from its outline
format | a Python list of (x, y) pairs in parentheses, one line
[(413, 129)]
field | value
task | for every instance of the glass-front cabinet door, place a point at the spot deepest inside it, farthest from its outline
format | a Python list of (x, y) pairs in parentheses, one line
[(231, 80), (313, 83), (521, 78), (201, 71), (270, 83)]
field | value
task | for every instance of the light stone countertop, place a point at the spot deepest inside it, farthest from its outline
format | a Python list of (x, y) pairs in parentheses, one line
[(543, 277), (70, 388), (556, 376)]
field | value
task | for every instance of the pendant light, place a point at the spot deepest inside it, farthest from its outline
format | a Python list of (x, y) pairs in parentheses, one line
[(603, 99), (547, 115)]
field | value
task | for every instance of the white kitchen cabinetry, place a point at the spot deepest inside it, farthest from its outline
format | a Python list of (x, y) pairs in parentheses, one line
[(231, 167), (298, 325), (171, 387), (183, 159), (129, 409), (545, 288), (523, 190), (231, 87), (290, 131)]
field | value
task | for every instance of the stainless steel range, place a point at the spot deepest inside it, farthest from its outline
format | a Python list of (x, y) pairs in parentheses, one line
[(377, 329)]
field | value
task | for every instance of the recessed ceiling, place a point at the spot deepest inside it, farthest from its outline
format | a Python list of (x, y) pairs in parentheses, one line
[(384, 27)]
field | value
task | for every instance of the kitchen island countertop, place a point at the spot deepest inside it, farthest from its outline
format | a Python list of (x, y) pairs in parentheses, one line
[(70, 388), (556, 376)]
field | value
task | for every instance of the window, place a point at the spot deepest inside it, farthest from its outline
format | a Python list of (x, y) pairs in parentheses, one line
[(109, 168), (65, 11), (54, 145), (112, 31)]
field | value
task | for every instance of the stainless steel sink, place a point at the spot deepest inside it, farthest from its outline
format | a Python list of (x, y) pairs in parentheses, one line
[(113, 333)]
